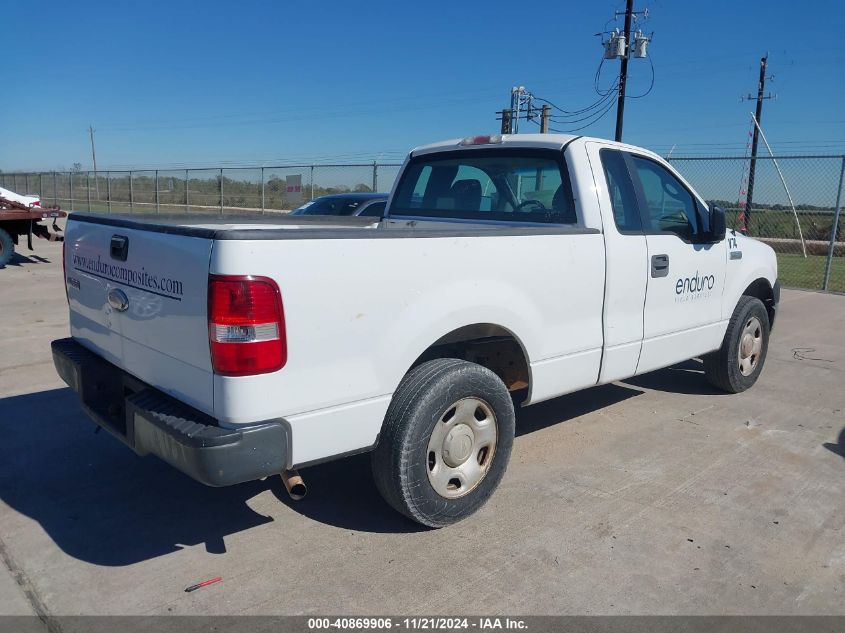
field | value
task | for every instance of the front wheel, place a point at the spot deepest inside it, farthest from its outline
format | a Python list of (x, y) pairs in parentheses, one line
[(445, 442), (736, 365)]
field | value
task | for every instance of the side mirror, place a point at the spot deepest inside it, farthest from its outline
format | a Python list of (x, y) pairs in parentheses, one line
[(718, 227)]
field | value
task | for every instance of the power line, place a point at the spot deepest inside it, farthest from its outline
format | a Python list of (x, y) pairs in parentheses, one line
[(650, 86), (597, 78), (601, 115), (572, 112), (608, 99)]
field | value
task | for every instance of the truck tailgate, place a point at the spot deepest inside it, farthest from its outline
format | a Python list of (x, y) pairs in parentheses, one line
[(139, 299)]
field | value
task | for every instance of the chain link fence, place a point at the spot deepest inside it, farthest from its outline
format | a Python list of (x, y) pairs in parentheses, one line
[(794, 207), (226, 190)]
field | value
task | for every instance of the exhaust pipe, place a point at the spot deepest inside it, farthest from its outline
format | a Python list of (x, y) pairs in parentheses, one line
[(294, 484)]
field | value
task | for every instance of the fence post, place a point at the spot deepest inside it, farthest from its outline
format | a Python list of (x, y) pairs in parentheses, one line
[(158, 206), (187, 201), (312, 182), (55, 190), (375, 176), (835, 226), (108, 189), (41, 185), (26, 182), (262, 190), (221, 191), (88, 188), (70, 187), (131, 193), (15, 182)]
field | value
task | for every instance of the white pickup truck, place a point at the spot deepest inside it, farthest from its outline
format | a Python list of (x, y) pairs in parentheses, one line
[(507, 270)]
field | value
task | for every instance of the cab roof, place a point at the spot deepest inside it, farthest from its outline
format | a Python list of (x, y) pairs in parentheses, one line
[(547, 141), (550, 141)]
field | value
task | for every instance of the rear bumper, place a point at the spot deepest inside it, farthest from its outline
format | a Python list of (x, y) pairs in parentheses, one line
[(148, 421)]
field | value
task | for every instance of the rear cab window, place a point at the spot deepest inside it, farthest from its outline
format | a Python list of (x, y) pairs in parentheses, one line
[(500, 184)]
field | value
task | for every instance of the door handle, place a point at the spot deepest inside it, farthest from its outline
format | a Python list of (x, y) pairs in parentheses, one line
[(659, 265)]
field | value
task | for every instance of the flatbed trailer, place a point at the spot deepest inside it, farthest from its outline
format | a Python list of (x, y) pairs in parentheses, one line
[(17, 219)]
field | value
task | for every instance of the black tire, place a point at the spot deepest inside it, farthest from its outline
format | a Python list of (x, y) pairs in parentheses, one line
[(722, 367), (400, 461), (7, 248)]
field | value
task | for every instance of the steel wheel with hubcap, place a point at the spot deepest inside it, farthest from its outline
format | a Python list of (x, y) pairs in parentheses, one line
[(750, 345), (445, 442), (461, 448)]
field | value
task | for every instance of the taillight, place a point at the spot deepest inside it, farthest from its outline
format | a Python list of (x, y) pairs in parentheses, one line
[(246, 325)]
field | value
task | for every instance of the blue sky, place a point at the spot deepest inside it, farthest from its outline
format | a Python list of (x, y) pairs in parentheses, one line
[(195, 83)]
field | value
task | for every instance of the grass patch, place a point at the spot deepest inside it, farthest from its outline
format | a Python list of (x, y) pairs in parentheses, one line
[(797, 271)]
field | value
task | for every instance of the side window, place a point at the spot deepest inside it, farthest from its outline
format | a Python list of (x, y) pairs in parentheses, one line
[(623, 198), (670, 208), (376, 209)]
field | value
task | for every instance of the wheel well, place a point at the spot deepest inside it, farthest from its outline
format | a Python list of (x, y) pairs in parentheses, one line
[(762, 289), (488, 345)]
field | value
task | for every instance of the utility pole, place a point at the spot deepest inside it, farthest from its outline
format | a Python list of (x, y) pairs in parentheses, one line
[(623, 71), (94, 159), (518, 95), (521, 108), (507, 115), (761, 85), (544, 119)]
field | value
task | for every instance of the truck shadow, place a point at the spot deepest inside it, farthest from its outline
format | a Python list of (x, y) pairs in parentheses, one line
[(102, 504), (96, 499), (21, 260), (686, 377), (838, 448)]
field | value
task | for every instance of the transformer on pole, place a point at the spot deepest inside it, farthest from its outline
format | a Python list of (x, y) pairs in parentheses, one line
[(623, 45)]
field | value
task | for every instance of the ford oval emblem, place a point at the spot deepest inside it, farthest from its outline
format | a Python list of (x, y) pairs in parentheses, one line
[(118, 299)]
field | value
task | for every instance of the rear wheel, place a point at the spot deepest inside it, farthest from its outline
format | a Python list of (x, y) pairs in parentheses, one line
[(736, 365), (445, 443), (7, 248)]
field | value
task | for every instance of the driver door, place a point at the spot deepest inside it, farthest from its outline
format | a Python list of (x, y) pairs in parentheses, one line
[(686, 275)]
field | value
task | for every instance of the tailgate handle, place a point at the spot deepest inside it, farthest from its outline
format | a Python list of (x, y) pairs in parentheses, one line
[(119, 247)]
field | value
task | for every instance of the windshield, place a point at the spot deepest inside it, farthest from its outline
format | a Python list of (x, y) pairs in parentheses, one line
[(515, 185), (330, 206)]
